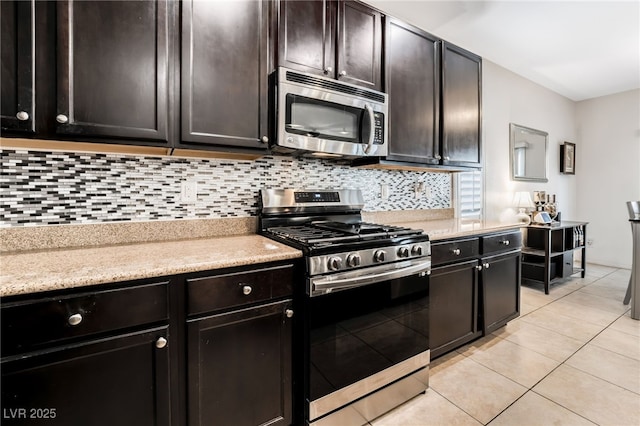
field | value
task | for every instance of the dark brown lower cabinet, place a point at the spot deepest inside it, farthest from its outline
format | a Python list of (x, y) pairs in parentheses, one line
[(121, 380), (453, 299), (239, 367), (500, 284)]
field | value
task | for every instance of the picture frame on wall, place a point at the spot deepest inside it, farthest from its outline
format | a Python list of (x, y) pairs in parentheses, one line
[(568, 158)]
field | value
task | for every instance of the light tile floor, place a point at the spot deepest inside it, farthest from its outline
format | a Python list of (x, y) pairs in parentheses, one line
[(571, 358)]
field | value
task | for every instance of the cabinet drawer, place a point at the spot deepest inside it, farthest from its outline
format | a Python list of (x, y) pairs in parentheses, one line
[(454, 251), (501, 242), (31, 324), (229, 290)]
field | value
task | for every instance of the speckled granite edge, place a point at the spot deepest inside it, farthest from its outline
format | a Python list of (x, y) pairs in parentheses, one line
[(87, 235), (29, 272), (407, 215)]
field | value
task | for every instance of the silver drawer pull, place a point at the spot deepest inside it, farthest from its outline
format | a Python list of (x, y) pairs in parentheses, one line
[(75, 319), (289, 313), (161, 342), (505, 242), (246, 290), (486, 266), (479, 267), (456, 252)]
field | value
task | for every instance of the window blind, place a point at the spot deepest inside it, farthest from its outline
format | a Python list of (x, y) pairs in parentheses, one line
[(470, 195)]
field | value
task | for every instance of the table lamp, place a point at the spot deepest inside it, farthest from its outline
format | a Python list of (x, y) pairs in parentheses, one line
[(522, 200)]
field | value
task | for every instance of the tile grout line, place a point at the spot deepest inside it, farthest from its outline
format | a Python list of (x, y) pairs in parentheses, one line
[(563, 362)]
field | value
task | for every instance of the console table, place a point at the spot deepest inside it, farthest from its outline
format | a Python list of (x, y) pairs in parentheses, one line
[(547, 252)]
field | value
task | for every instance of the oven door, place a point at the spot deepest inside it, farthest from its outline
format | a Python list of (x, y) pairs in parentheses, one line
[(364, 338)]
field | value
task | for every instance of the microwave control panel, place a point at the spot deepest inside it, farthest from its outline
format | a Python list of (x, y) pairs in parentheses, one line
[(378, 128)]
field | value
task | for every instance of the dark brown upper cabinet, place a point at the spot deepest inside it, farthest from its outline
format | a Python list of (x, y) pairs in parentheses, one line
[(113, 69), (224, 73), (461, 107), (338, 39), (17, 77), (413, 85)]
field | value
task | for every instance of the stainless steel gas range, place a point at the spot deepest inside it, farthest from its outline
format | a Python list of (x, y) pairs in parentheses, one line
[(364, 298)]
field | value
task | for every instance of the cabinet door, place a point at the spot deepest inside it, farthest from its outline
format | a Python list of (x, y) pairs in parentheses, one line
[(224, 73), (120, 381), (413, 85), (113, 64), (17, 75), (239, 367), (306, 36), (500, 288), (461, 107), (359, 44), (453, 306)]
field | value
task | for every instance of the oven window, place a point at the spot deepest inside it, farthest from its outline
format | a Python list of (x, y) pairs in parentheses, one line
[(322, 119), (359, 332)]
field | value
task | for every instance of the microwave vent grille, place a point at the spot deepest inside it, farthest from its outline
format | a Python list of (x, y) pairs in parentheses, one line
[(335, 86)]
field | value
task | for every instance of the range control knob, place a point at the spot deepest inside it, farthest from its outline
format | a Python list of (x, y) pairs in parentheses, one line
[(416, 250), (379, 256), (335, 263), (353, 260), (403, 252)]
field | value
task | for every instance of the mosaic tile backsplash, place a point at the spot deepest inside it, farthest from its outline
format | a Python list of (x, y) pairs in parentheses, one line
[(50, 188)]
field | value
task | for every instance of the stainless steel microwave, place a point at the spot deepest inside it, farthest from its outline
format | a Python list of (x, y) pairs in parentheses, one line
[(325, 117)]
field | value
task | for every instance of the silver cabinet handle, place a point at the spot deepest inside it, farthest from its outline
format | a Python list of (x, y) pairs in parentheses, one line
[(505, 242), (161, 342), (447, 158), (246, 290), (22, 115), (264, 139), (328, 70), (343, 73), (61, 118), (75, 319), (486, 266), (456, 252), (438, 157), (289, 313), (479, 267)]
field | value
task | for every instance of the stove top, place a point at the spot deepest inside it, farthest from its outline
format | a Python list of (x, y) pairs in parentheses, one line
[(328, 227), (317, 233)]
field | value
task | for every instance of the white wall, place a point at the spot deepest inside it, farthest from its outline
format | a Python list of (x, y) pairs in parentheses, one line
[(608, 173), (510, 98)]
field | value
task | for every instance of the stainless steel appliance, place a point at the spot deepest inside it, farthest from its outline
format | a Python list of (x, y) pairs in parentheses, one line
[(325, 117), (365, 302)]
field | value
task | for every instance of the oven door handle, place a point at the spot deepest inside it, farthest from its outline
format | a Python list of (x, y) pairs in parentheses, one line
[(322, 285)]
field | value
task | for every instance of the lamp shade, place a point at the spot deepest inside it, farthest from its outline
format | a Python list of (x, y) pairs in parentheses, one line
[(522, 200)]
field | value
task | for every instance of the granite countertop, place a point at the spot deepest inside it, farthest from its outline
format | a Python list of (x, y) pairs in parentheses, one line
[(53, 258), (45, 270), (454, 228)]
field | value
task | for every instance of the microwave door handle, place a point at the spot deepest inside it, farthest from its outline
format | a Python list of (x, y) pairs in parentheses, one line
[(372, 120)]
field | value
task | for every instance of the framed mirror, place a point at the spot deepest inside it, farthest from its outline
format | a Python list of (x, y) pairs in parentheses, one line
[(528, 149)]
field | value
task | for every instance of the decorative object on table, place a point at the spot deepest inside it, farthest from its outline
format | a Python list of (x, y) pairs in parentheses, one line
[(522, 201), (551, 206), (539, 198), (542, 218), (568, 158)]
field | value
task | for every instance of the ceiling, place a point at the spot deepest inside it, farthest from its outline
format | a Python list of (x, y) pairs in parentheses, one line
[(579, 49)]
